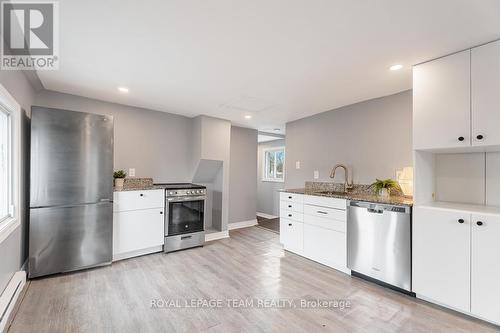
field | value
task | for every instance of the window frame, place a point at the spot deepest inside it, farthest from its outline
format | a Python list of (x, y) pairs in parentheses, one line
[(10, 223), (264, 164)]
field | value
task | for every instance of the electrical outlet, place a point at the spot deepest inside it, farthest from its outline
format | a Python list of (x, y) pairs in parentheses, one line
[(297, 165), (316, 174), (131, 172)]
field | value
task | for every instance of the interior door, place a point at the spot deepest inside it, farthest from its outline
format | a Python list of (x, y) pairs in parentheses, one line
[(71, 157), (486, 267), (441, 102), (441, 256), (69, 238), (485, 76)]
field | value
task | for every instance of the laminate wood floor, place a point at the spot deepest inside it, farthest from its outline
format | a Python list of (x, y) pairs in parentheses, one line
[(249, 265)]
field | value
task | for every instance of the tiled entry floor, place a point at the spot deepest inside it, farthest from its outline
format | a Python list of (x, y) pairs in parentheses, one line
[(270, 224)]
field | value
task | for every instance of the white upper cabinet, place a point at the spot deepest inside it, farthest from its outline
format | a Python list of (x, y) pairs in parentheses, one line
[(441, 102), (485, 275), (485, 78)]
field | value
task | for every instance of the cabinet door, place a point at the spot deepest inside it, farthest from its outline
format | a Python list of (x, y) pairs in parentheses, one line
[(485, 76), (486, 267), (441, 102), (441, 256), (325, 246), (292, 235), (137, 230)]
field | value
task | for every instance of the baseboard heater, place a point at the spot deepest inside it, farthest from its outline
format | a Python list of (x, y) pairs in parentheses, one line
[(9, 297)]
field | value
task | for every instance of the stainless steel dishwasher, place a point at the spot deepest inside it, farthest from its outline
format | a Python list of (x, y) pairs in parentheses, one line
[(379, 243)]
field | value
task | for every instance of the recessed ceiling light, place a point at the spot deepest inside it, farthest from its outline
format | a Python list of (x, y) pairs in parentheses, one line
[(396, 67), (248, 116), (123, 89)]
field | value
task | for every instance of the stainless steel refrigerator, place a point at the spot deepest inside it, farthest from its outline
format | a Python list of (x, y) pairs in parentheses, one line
[(71, 191)]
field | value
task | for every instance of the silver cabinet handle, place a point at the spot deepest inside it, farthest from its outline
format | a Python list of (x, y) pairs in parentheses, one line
[(321, 212)]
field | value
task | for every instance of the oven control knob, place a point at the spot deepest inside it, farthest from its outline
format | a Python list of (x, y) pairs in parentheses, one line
[(188, 192)]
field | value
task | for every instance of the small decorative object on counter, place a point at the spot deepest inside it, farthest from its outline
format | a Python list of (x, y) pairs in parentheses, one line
[(119, 177), (383, 187)]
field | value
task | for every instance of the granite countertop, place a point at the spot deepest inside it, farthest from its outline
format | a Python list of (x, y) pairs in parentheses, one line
[(367, 197), (138, 184), (139, 188)]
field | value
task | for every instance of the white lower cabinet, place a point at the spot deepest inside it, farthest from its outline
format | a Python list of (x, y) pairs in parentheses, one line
[(485, 292), (325, 246), (455, 260), (441, 256), (138, 223), (292, 235), (137, 230), (314, 227)]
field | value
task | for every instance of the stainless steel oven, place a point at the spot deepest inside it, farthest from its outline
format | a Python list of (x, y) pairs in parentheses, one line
[(185, 217)]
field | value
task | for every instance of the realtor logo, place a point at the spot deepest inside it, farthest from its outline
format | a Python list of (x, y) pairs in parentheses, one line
[(30, 35)]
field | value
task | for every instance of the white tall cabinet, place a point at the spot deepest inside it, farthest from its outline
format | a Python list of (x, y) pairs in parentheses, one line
[(456, 109)]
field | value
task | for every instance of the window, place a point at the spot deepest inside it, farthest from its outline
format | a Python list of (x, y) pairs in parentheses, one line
[(5, 163), (274, 164), (10, 163)]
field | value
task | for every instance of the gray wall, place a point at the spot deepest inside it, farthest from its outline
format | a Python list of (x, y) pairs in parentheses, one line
[(373, 138), (212, 140), (243, 174), (13, 250), (156, 144), (267, 192)]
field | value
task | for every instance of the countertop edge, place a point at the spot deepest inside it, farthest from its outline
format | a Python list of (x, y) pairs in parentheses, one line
[(394, 200)]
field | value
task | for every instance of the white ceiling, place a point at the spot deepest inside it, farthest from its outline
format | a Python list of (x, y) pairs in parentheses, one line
[(278, 60)]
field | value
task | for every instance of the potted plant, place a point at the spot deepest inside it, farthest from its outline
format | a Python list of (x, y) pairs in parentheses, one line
[(119, 177), (383, 187)]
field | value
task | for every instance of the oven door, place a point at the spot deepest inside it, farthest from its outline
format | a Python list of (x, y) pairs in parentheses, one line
[(185, 215)]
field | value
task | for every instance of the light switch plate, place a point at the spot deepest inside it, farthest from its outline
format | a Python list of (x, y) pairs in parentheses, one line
[(297, 165), (131, 172), (316, 174)]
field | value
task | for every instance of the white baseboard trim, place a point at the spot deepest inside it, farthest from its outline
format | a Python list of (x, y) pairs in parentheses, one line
[(137, 253), (267, 216), (216, 235), (9, 298), (242, 224)]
